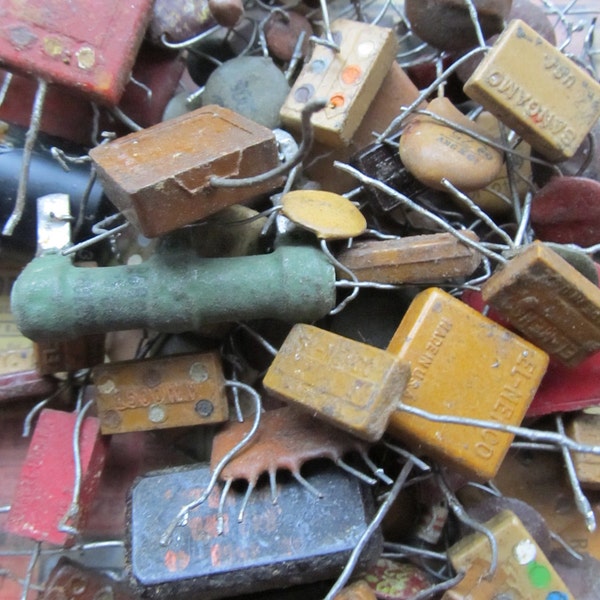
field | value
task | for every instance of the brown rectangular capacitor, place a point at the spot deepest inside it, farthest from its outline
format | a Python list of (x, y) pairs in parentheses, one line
[(159, 393), (537, 91), (351, 385), (549, 302), (160, 176), (413, 259)]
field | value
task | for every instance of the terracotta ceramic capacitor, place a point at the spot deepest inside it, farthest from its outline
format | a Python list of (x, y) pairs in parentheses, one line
[(537, 91), (462, 365), (282, 31), (446, 24), (431, 150), (413, 259)]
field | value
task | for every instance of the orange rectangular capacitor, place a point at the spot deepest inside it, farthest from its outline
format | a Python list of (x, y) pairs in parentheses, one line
[(348, 80), (462, 365), (160, 176), (351, 385), (413, 259), (549, 302), (159, 393), (523, 571), (532, 87)]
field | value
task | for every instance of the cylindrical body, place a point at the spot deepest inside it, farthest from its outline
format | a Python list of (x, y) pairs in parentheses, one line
[(172, 292)]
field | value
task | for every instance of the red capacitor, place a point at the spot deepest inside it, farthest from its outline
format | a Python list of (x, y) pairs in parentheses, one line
[(567, 210), (71, 44), (25, 385), (70, 116), (44, 492)]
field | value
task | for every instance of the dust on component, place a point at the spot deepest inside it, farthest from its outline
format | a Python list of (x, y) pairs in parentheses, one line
[(493, 373), (58, 356), (157, 393), (160, 176), (585, 429), (537, 91), (300, 539), (393, 580), (286, 438), (431, 150), (329, 216), (70, 580), (54, 223), (549, 302), (523, 572), (413, 259), (63, 43), (349, 384), (348, 79), (43, 494)]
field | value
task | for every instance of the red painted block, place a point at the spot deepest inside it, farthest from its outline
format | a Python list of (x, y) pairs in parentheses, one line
[(45, 487), (79, 45), (24, 385)]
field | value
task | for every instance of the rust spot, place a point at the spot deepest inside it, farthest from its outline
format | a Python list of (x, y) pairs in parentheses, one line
[(176, 560), (286, 439)]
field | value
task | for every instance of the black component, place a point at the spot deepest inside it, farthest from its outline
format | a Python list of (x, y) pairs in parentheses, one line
[(299, 539)]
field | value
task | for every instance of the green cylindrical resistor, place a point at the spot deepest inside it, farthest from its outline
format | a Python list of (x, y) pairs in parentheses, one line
[(171, 292)]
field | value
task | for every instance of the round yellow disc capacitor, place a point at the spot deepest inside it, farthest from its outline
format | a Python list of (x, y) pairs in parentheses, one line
[(329, 216)]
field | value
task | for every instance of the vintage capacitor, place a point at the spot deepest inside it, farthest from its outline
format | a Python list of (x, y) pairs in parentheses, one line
[(45, 487), (585, 429), (523, 571), (431, 150), (552, 111), (22, 385), (160, 176), (58, 356), (412, 259), (393, 580), (62, 44), (178, 20), (494, 376), (158, 393), (348, 79), (549, 302), (267, 550), (347, 383)]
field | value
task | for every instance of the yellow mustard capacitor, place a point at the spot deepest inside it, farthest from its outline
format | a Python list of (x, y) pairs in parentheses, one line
[(159, 393), (351, 385), (462, 365), (329, 216), (523, 571), (551, 303), (537, 91)]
